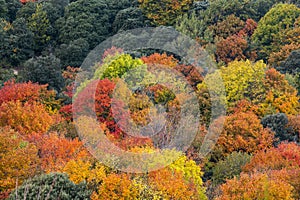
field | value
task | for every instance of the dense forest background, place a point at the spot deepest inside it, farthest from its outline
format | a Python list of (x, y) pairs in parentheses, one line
[(256, 45)]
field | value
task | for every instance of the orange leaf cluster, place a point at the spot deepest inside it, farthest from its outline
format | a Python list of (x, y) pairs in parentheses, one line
[(243, 132), (18, 159), (25, 92), (284, 156), (27, 118), (162, 60), (256, 186), (55, 151)]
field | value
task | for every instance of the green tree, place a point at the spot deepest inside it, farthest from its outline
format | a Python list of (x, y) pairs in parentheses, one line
[(261, 7), (26, 10), (9, 8), (44, 70), (3, 9), (74, 53), (218, 10), (225, 12), (39, 24), (51, 186), (192, 26), (5, 49), (292, 64), (230, 167), (86, 20), (22, 40), (129, 18), (278, 123), (117, 66), (5, 75), (272, 27)]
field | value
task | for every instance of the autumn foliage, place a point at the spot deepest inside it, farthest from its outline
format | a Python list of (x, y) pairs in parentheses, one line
[(284, 156), (256, 186), (25, 92), (242, 131), (55, 150), (18, 159), (25, 118)]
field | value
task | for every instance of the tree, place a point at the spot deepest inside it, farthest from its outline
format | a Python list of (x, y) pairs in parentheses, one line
[(164, 12), (231, 48), (245, 80), (16, 41), (26, 92), (18, 159), (194, 27), (3, 9), (55, 151), (5, 75), (12, 8), (74, 53), (261, 7), (27, 10), (229, 26), (230, 167), (273, 26), (241, 79), (102, 99), (89, 21), (25, 118), (172, 184), (281, 162), (256, 186), (217, 11), (129, 18), (192, 173), (160, 59), (117, 66), (294, 124), (22, 42), (116, 186), (291, 64), (80, 170), (290, 41), (286, 155), (44, 70), (182, 180), (242, 132), (235, 46), (39, 24), (52, 186), (280, 95), (5, 27), (278, 123)]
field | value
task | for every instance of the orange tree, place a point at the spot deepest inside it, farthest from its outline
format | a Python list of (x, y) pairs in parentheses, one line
[(27, 118), (18, 159), (256, 186), (55, 150), (284, 156), (28, 92), (242, 132)]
